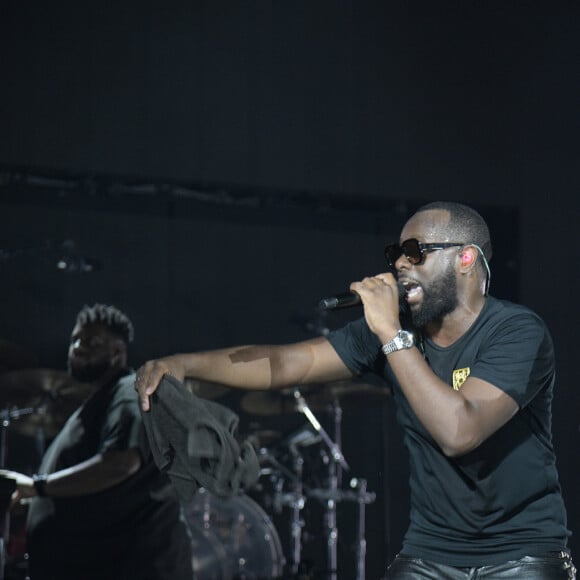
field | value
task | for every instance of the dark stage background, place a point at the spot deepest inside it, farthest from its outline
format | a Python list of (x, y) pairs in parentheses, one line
[(223, 165)]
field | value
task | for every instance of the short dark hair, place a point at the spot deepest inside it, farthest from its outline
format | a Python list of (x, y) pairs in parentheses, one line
[(465, 224), (117, 322)]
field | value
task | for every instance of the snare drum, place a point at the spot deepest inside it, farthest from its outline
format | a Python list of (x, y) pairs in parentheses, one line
[(232, 538)]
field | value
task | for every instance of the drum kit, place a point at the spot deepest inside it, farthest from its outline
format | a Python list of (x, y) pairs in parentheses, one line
[(261, 534), (236, 538)]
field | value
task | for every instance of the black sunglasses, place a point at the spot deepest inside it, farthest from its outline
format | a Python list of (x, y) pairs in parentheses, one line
[(414, 250)]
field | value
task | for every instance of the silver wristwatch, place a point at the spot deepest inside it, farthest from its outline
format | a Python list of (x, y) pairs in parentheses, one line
[(403, 339)]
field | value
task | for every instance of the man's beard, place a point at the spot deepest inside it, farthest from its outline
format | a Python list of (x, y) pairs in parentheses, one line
[(439, 299), (88, 373)]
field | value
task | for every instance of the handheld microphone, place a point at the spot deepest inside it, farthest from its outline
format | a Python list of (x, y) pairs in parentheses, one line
[(344, 300), (349, 299)]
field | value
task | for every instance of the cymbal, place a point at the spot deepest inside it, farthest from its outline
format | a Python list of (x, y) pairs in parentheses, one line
[(13, 356), (206, 389), (269, 402), (346, 393), (317, 397), (51, 395)]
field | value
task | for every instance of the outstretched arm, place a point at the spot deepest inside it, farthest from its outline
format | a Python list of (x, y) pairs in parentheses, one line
[(91, 476), (248, 367)]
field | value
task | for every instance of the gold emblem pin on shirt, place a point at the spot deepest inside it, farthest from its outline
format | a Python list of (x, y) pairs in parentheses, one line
[(459, 376)]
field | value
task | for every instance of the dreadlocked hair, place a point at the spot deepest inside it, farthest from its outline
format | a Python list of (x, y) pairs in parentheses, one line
[(117, 322)]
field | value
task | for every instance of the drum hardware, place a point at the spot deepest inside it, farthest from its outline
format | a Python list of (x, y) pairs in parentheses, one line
[(338, 495), (363, 498), (7, 486), (282, 499), (297, 505), (335, 466), (303, 437), (232, 538), (7, 416), (320, 397), (328, 398), (13, 413), (334, 448), (358, 494), (293, 499), (54, 396), (261, 438), (333, 494), (36, 402)]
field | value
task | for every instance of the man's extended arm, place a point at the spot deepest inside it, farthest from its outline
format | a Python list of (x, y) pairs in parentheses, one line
[(248, 367), (90, 476)]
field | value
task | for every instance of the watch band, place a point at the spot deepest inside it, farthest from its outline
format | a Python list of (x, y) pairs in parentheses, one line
[(39, 481), (389, 347), (402, 340)]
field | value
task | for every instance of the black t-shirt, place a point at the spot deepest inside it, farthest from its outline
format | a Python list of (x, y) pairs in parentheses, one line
[(501, 501), (131, 530)]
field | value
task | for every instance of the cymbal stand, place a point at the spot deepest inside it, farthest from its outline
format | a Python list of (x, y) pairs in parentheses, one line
[(335, 450), (337, 414), (362, 497), (336, 463), (297, 504)]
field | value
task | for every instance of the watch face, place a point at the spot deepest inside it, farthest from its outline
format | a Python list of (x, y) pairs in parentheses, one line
[(407, 338), (403, 339)]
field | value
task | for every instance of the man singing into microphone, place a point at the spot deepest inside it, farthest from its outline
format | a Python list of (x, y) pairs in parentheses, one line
[(473, 388)]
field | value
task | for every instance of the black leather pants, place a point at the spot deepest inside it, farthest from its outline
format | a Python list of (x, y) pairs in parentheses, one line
[(550, 566)]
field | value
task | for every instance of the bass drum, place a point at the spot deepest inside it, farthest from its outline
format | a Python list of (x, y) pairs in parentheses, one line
[(232, 539)]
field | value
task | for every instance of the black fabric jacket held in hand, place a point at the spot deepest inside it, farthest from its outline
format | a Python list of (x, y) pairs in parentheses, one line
[(194, 442)]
